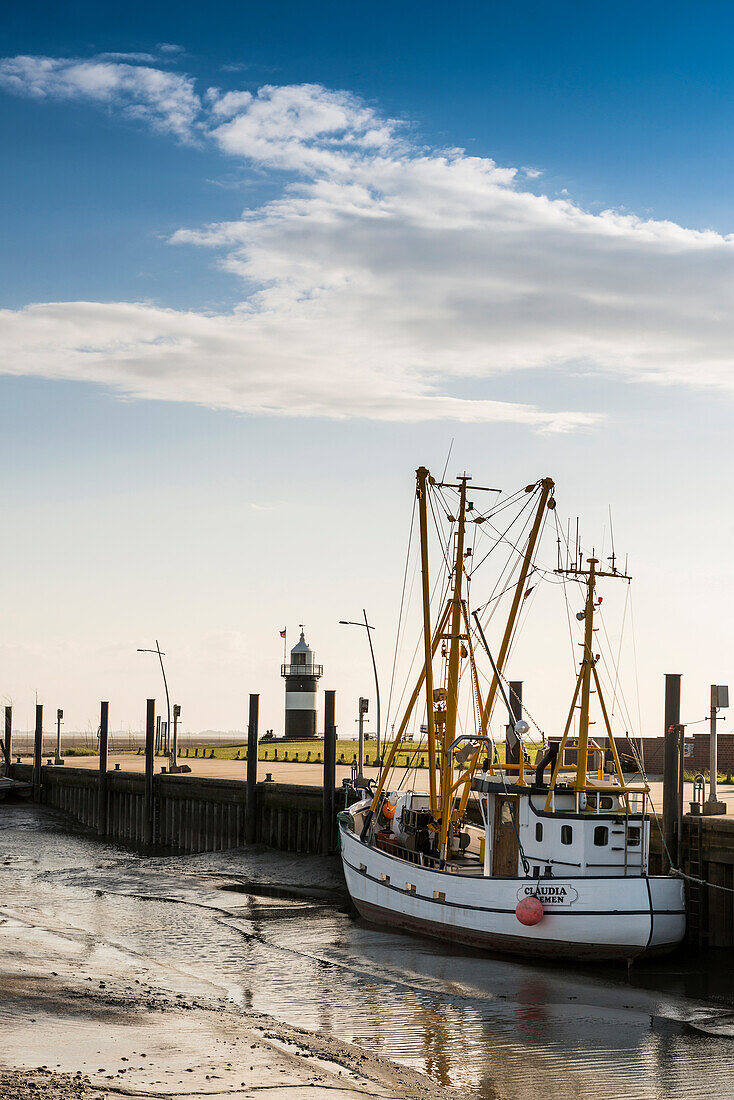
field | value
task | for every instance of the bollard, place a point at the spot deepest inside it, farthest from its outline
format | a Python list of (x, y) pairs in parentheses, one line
[(251, 808), (148, 809), (102, 782), (37, 753), (329, 806)]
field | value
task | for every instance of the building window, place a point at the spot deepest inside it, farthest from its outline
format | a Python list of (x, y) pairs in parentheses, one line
[(539, 830), (566, 834), (601, 836)]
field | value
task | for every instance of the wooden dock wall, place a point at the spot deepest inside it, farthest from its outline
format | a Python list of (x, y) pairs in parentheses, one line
[(188, 813), (707, 853)]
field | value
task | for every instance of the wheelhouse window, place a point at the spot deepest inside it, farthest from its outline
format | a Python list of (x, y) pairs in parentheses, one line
[(633, 835), (566, 834), (601, 836), (539, 830)]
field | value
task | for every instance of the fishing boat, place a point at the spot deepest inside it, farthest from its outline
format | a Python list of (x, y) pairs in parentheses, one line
[(549, 858)]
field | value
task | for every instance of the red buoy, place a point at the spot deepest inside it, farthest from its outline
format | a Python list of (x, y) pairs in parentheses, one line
[(529, 911)]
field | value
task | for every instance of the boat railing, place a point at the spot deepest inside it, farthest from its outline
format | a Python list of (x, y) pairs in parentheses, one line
[(419, 859)]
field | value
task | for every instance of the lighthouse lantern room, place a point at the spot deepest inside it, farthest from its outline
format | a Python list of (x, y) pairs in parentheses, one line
[(301, 677)]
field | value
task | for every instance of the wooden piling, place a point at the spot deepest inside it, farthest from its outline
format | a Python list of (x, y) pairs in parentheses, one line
[(671, 769), (149, 807), (102, 781), (38, 753), (329, 807), (8, 742), (513, 742), (252, 741)]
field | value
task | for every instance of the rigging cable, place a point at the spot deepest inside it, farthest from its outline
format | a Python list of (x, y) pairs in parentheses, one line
[(400, 615)]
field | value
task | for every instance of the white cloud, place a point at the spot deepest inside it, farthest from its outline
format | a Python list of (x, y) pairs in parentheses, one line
[(166, 101), (303, 128), (259, 362), (115, 55), (386, 277)]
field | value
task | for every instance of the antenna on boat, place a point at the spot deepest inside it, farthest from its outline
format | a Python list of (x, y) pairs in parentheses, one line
[(448, 456), (612, 559), (577, 559)]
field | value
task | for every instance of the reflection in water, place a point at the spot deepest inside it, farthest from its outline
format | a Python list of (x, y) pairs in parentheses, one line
[(496, 1027)]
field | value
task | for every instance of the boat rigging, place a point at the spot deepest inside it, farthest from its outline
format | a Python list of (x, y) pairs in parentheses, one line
[(532, 865)]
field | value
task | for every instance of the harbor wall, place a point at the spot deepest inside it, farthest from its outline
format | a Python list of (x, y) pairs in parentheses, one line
[(185, 813), (706, 854)]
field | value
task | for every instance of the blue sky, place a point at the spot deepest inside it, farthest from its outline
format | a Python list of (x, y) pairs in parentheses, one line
[(515, 234), (624, 106)]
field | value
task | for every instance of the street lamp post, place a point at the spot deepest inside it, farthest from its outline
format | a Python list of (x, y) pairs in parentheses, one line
[(366, 626), (59, 719), (172, 761), (176, 716), (719, 699), (363, 708)]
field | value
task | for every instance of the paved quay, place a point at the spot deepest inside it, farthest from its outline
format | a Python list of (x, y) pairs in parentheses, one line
[(312, 774)]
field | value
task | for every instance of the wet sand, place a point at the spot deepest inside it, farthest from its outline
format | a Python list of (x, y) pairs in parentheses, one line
[(81, 1018), (246, 973)]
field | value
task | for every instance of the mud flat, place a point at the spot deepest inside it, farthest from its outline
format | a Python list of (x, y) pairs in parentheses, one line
[(246, 973), (84, 1016), (141, 1043)]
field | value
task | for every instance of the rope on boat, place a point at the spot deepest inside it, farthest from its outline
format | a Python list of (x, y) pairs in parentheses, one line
[(676, 871)]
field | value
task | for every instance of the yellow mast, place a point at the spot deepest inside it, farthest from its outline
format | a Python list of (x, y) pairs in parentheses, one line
[(586, 673), (545, 501), (454, 619), (452, 698), (385, 770), (422, 493), (547, 488)]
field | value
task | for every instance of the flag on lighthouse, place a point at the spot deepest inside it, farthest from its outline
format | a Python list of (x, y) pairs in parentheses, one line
[(282, 633)]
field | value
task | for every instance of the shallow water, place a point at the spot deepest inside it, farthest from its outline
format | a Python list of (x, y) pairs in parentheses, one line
[(497, 1028)]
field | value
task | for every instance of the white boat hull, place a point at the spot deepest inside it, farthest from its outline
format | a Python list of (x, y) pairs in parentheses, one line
[(585, 917)]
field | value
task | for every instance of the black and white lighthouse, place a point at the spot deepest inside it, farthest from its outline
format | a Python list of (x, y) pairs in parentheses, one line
[(301, 676)]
